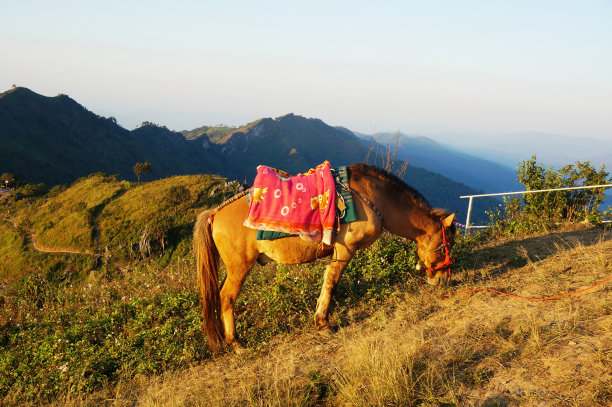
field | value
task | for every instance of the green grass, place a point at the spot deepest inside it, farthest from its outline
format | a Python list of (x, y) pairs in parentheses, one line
[(68, 333), (65, 335), (72, 324), (13, 263), (150, 216)]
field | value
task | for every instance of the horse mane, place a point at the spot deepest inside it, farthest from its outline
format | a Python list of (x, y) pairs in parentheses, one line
[(395, 186)]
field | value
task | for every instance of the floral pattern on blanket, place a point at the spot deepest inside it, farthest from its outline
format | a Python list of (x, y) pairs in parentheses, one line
[(303, 204)]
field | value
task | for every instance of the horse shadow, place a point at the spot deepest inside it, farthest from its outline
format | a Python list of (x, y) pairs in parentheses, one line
[(484, 263)]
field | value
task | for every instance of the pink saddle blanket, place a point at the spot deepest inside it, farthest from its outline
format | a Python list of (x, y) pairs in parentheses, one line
[(303, 204)]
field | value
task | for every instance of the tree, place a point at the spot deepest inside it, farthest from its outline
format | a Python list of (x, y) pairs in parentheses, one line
[(546, 210), (142, 168), (7, 180)]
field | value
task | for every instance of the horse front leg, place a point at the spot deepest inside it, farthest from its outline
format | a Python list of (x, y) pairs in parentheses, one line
[(333, 272)]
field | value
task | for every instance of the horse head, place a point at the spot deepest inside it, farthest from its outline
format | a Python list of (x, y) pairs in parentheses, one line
[(435, 255)]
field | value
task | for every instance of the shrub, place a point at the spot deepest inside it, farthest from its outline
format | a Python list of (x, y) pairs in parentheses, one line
[(32, 190), (536, 212)]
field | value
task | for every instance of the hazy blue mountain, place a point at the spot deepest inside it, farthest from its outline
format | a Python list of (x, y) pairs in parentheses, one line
[(424, 152), (550, 149)]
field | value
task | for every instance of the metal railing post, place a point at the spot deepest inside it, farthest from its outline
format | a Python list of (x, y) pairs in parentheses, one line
[(467, 219)]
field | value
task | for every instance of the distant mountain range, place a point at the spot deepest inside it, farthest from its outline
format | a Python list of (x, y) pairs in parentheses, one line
[(55, 140), (426, 153), (551, 149)]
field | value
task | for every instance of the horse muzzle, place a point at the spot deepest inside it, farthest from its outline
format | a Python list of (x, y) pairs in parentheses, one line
[(439, 279)]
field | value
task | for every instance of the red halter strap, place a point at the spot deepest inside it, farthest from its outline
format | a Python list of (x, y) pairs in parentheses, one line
[(446, 246)]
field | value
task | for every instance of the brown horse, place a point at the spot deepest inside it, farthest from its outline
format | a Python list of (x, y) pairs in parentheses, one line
[(382, 201)]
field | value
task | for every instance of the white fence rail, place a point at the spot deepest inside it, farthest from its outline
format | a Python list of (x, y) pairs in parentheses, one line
[(471, 198)]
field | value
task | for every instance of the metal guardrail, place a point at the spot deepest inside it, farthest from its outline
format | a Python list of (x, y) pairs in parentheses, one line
[(471, 198)]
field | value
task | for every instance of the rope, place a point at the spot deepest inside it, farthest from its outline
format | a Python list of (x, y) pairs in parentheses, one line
[(232, 199), (555, 297)]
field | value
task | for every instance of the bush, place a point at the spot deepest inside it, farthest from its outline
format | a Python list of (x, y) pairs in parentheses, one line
[(543, 211), (32, 190)]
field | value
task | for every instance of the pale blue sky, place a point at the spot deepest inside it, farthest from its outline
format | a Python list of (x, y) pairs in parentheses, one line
[(421, 67)]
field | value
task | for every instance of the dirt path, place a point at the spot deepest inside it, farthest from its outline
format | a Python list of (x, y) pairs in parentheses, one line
[(36, 245)]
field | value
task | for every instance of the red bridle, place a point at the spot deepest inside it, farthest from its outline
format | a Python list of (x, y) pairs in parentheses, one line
[(445, 246)]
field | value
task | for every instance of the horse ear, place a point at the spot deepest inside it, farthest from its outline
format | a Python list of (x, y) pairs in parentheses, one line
[(448, 221)]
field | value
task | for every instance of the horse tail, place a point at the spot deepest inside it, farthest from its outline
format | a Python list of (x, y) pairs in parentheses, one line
[(207, 258)]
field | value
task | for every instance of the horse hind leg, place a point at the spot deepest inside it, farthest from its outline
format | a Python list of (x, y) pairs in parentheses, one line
[(236, 275)]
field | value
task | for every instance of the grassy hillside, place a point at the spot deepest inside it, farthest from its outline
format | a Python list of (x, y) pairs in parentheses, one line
[(85, 271), (100, 215), (12, 244), (123, 327), (412, 349), (158, 212), (68, 218)]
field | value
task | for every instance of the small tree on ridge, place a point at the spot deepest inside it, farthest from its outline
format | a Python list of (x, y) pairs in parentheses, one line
[(142, 168)]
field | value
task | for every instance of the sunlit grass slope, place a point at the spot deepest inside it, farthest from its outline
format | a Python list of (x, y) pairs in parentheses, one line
[(14, 262), (124, 305), (100, 212), (68, 218), (157, 212), (412, 349)]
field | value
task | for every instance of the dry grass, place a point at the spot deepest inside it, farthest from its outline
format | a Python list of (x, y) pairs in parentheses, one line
[(478, 349)]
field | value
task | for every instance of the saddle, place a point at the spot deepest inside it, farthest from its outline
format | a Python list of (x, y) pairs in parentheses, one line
[(303, 205)]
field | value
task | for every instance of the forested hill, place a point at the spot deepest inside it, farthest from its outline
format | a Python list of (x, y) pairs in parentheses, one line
[(55, 140), (292, 143)]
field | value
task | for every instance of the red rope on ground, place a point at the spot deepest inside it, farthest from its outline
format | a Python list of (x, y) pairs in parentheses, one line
[(555, 297)]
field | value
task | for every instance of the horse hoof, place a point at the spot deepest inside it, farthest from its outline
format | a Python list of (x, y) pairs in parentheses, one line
[(238, 347), (326, 331)]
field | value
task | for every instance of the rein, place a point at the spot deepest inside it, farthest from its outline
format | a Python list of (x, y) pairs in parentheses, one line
[(554, 297), (365, 200)]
